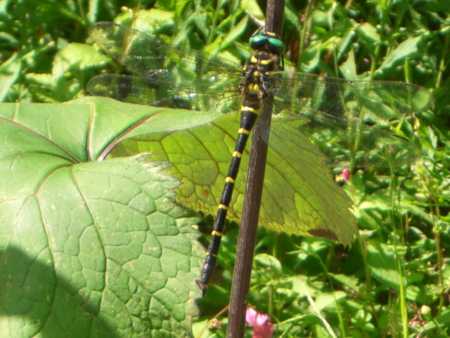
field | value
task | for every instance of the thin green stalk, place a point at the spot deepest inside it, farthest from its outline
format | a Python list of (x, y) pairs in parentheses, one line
[(275, 253), (442, 64), (338, 308), (81, 9), (367, 275), (316, 311), (439, 251), (399, 17), (402, 292), (285, 332), (368, 280), (234, 7), (306, 26), (270, 300), (292, 319), (374, 61), (213, 24), (407, 71), (339, 312), (402, 282), (357, 135), (437, 239)]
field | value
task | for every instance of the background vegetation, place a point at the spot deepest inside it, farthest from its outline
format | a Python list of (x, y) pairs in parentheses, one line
[(394, 281)]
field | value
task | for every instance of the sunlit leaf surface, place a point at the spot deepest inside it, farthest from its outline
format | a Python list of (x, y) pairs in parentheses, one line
[(95, 246)]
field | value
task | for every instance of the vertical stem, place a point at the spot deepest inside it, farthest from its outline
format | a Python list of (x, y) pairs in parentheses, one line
[(247, 232), (439, 254), (81, 9), (442, 63), (252, 200), (402, 294), (304, 34), (395, 203)]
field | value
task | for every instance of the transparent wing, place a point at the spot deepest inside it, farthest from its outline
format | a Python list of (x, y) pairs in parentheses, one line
[(152, 72), (159, 89), (301, 93), (363, 124), (140, 52)]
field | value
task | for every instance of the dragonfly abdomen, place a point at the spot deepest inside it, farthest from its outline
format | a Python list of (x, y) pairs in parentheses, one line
[(253, 92), (249, 116)]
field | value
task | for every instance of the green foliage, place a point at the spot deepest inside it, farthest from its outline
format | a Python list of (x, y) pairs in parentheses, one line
[(393, 281), (94, 246)]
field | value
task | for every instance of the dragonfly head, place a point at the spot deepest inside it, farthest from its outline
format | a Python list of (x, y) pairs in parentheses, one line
[(267, 41)]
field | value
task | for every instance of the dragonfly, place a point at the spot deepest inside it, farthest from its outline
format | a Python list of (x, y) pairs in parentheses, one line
[(155, 73)]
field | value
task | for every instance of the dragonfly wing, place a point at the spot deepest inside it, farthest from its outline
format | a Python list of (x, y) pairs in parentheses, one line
[(138, 52), (158, 88), (300, 194), (157, 74), (339, 99), (362, 117)]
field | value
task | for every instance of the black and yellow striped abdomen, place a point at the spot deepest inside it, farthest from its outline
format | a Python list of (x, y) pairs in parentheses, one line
[(255, 73), (248, 119)]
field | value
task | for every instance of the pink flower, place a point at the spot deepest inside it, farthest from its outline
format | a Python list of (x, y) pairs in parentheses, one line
[(345, 174), (262, 326), (343, 177)]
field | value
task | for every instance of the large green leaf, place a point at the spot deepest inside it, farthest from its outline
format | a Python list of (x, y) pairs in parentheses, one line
[(91, 247), (299, 195)]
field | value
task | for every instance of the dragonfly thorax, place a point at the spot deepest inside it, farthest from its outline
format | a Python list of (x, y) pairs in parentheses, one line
[(257, 77)]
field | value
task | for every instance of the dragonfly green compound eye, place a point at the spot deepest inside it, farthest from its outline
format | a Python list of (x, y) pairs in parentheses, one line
[(276, 45), (258, 40)]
